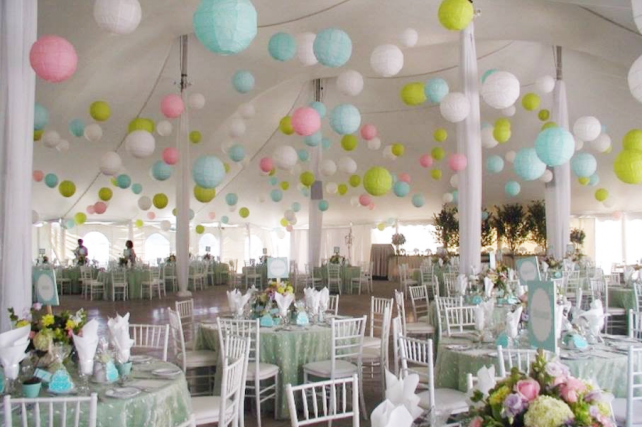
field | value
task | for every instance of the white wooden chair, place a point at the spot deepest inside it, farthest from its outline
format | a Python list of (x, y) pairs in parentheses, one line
[(310, 280), (460, 320), (64, 411), (119, 285), (62, 281), (397, 331), (335, 402), (613, 279), (346, 352), (225, 409), (90, 285), (197, 276), (333, 305), (150, 337), (417, 358), (442, 303), (450, 281), (366, 271), (404, 278), (635, 325), (257, 372), (509, 358), (375, 359), (334, 277), (375, 320), (185, 310), (252, 278), (151, 283), (616, 316), (628, 411), (358, 281), (169, 275), (413, 328), (420, 303)]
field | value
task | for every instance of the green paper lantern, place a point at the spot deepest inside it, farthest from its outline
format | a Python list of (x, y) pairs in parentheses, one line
[(244, 212), (285, 186), (307, 178), (37, 134), (633, 140), (160, 201), (204, 195), (282, 47), (583, 180), (601, 195), (455, 15), (355, 180), (99, 111), (543, 115), (440, 135), (627, 166), (413, 94), (502, 123), (195, 137), (398, 149), (225, 27), (549, 125), (80, 218), (140, 123), (200, 229), (67, 188), (285, 125), (502, 134), (438, 153), (436, 174), (105, 194), (531, 101), (349, 142), (284, 222), (343, 189), (139, 223), (377, 181)]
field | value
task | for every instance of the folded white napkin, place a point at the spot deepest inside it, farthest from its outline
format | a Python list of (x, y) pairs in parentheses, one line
[(15, 337), (486, 379), (559, 318), (462, 284), (12, 350), (512, 322), (283, 302), (480, 316), (324, 299), (388, 414), (119, 336), (312, 297), (441, 262), (232, 299), (594, 317), (86, 346), (237, 301), (544, 267), (488, 287), (473, 269), (402, 392), (628, 272)]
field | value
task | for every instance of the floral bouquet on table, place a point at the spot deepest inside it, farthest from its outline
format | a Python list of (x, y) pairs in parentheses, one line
[(554, 266), (548, 397), (207, 257), (81, 260), (122, 262), (337, 259), (499, 277), (444, 256), (263, 302)]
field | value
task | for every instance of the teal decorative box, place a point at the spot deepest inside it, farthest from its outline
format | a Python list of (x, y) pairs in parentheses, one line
[(61, 382), (503, 340), (302, 319), (267, 321)]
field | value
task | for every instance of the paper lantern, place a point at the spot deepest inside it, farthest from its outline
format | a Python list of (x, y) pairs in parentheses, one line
[(549, 125), (208, 171), (527, 164), (601, 195), (100, 111), (342, 189), (627, 167), (231, 199), (354, 180), (349, 142), (347, 165), (531, 102), (285, 185), (512, 188), (67, 188), (401, 189), (418, 200), (328, 168), (495, 164), (51, 180), (455, 15), (165, 225), (110, 163), (454, 107), (323, 205), (635, 79), (555, 146), (374, 144), (53, 58), (303, 154), (161, 171), (583, 180), (141, 123), (77, 127), (160, 201), (40, 117), (307, 178), (368, 132), (387, 60), (544, 85), (276, 195), (377, 181), (51, 139), (457, 162), (454, 181), (510, 156), (117, 16), (602, 143), (305, 48), (38, 175), (331, 187), (633, 140), (436, 174), (398, 149), (123, 181), (69, 224), (501, 134), (440, 134), (137, 188), (487, 137), (170, 155), (196, 101), (350, 83), (509, 111), (285, 125), (413, 94), (486, 74), (436, 89), (63, 146), (144, 203), (100, 208), (403, 176), (236, 153), (332, 47), (319, 107), (243, 81), (80, 218), (237, 127), (425, 161), (365, 200), (172, 106), (544, 115), (306, 121), (105, 194), (583, 165), (593, 180), (547, 176), (285, 157), (273, 181), (388, 154), (244, 212), (345, 119), (266, 164), (282, 47), (409, 37), (140, 144), (587, 128), (500, 90), (226, 27), (195, 137), (438, 153)]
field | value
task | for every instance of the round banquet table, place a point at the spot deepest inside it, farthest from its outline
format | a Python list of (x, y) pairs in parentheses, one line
[(288, 349), (602, 364), (163, 402)]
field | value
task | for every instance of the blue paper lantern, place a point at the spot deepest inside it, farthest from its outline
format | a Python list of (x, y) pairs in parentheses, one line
[(77, 127), (296, 206), (332, 47), (484, 215), (583, 165), (282, 47), (243, 81), (225, 219), (305, 192), (455, 194), (401, 189), (435, 89), (555, 146), (486, 74), (161, 171), (123, 181), (345, 119), (323, 205), (527, 165), (208, 171), (594, 180), (495, 164), (51, 180), (303, 155), (40, 117), (273, 180), (276, 195), (320, 108), (236, 153), (226, 27), (69, 224), (326, 143), (137, 188), (314, 139), (231, 199), (512, 188), (418, 200)]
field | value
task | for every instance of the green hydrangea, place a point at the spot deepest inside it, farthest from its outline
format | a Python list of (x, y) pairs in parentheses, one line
[(546, 411), (43, 339)]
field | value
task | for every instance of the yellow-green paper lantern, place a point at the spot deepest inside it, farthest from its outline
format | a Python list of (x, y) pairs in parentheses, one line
[(349, 142), (139, 223), (628, 166), (244, 212), (398, 149), (160, 201), (285, 186), (105, 194), (140, 123), (67, 188), (284, 222), (377, 181), (633, 140), (544, 115), (601, 195), (355, 180), (584, 180), (455, 15), (99, 111), (285, 125), (440, 135), (435, 174), (195, 137), (80, 218), (438, 153), (200, 229), (413, 94), (343, 189), (307, 178), (502, 134), (204, 195), (531, 101)]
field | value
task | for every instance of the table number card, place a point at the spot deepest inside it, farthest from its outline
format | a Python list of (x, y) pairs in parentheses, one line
[(44, 281), (542, 298), (277, 268), (337, 249), (527, 269)]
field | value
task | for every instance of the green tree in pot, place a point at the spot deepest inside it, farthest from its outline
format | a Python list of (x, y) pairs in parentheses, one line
[(447, 227), (488, 232), (536, 219), (510, 225)]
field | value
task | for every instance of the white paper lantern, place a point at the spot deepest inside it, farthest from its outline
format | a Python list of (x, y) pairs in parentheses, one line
[(547, 176), (386, 60), (454, 181), (544, 85), (354, 201), (409, 37), (447, 198), (487, 138), (165, 225), (610, 203), (63, 146), (328, 168), (293, 221), (305, 48), (140, 144), (93, 132), (117, 16), (51, 138), (388, 154), (237, 127), (635, 79), (587, 128), (374, 143), (247, 110), (579, 144), (510, 156), (285, 157), (601, 143), (510, 111), (347, 165), (332, 187), (110, 163), (289, 214), (164, 128), (196, 101), (350, 83), (34, 217), (500, 90), (454, 107), (144, 203)]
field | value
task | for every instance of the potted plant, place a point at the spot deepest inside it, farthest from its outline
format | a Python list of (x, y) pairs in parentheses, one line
[(31, 387), (511, 226), (398, 240), (447, 227), (536, 219)]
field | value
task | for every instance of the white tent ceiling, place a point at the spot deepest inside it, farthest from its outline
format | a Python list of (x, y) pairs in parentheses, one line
[(134, 72)]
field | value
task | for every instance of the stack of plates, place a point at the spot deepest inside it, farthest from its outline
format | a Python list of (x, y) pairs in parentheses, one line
[(122, 392), (167, 372)]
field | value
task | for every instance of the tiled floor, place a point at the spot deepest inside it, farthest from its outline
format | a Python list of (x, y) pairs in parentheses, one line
[(209, 304)]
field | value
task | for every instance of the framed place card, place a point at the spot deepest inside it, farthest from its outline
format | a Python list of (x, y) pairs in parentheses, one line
[(527, 269), (41, 251), (44, 281), (278, 268), (337, 249), (208, 249), (542, 297)]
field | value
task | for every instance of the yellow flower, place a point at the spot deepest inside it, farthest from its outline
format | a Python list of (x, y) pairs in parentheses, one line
[(70, 324), (498, 397), (22, 323), (47, 320)]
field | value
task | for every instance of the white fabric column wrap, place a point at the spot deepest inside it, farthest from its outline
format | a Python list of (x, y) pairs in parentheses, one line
[(182, 204)]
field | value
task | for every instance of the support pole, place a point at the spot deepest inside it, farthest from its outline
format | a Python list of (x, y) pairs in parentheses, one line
[(315, 216)]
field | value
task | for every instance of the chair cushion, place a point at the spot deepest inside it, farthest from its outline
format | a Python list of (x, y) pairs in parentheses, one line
[(419, 328), (446, 399), (371, 342), (266, 370), (424, 319), (198, 358), (619, 412), (207, 408), (322, 369), (370, 355)]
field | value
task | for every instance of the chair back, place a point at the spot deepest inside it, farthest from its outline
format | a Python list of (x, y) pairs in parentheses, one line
[(233, 382), (397, 331), (442, 304), (185, 310), (420, 302), (347, 339), (460, 320), (244, 329), (63, 411), (334, 271), (450, 280), (377, 310), (637, 293), (178, 338), (634, 384), (417, 358), (333, 305), (85, 274), (118, 277), (169, 269), (150, 337), (333, 396), (401, 309), (635, 325), (509, 358)]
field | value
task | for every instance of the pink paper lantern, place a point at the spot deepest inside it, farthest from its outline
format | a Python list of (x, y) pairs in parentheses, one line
[(211, 215), (100, 208), (170, 155), (365, 200), (38, 176), (53, 58), (289, 228), (306, 121), (426, 160), (371, 206), (172, 106), (403, 176), (457, 162), (266, 164), (369, 132), (618, 215), (151, 215), (90, 210)]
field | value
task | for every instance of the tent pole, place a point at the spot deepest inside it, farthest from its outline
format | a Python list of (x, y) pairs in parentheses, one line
[(315, 216)]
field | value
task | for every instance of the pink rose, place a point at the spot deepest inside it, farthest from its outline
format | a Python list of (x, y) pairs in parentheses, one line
[(31, 335), (571, 388), (527, 389), (475, 422), (559, 380)]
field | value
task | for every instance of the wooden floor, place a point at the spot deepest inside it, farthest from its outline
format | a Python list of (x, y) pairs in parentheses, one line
[(209, 304)]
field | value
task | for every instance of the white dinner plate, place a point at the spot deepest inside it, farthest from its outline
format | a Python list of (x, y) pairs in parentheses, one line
[(457, 347), (122, 392), (140, 359), (166, 372)]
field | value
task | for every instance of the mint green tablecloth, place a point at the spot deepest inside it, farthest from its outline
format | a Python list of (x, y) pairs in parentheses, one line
[(622, 297), (289, 350), (260, 269), (73, 274), (346, 272), (607, 368), (135, 277)]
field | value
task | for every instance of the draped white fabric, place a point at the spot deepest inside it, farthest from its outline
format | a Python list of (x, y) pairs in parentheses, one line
[(558, 191), (182, 204), (315, 216), (18, 24), (329, 239), (469, 144)]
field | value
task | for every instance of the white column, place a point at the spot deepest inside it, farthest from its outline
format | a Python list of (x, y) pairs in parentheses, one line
[(469, 144), (220, 241), (182, 204), (130, 231), (315, 216), (18, 27), (248, 231)]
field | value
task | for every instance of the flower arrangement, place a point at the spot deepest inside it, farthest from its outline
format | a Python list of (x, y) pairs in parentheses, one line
[(499, 277), (122, 262), (398, 239), (171, 258), (81, 260), (263, 302), (577, 236), (207, 257), (444, 256), (337, 259), (548, 397), (553, 263)]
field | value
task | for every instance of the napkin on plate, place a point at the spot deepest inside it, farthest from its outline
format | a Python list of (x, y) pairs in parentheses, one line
[(324, 299), (488, 287), (559, 317), (388, 414), (402, 392), (486, 379), (544, 267), (86, 346), (594, 318), (12, 350), (232, 298), (462, 284), (15, 337), (119, 336), (479, 317), (512, 322), (284, 302), (312, 297)]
